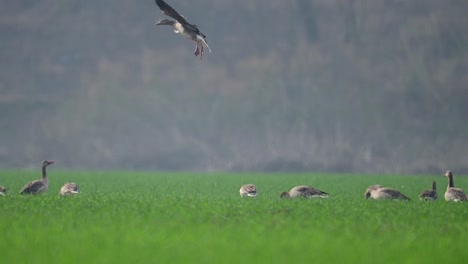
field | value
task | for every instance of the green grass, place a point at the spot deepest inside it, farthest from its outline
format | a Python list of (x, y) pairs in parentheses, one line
[(123, 217)]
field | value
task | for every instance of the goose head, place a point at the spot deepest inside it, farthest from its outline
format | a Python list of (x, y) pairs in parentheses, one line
[(46, 163), (448, 174), (369, 190)]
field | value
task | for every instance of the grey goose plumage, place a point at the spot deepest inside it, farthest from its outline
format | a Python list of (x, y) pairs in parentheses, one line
[(38, 186), (429, 195), (69, 188), (304, 191), (452, 193), (248, 190), (182, 26), (377, 192), (3, 190)]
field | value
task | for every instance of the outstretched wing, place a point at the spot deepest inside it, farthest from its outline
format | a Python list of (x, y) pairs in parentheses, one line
[(169, 11)]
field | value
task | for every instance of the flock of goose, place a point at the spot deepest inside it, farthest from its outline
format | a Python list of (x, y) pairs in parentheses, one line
[(42, 185), (376, 192)]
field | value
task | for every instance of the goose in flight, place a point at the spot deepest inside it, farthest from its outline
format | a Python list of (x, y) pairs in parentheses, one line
[(183, 27)]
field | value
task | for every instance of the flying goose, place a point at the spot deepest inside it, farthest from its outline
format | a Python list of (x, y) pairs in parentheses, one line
[(69, 188), (452, 193), (41, 185), (183, 27), (248, 190), (3, 190), (429, 195), (303, 191), (378, 192)]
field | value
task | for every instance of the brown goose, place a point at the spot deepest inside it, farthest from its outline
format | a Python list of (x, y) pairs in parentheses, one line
[(248, 190), (304, 191), (3, 190), (183, 27), (41, 185), (429, 195), (378, 192), (452, 193), (69, 188)]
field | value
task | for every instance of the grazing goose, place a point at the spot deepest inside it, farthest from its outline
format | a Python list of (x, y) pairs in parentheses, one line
[(378, 192), (183, 27), (429, 195), (69, 188), (248, 190), (452, 193), (303, 191), (41, 185), (3, 190)]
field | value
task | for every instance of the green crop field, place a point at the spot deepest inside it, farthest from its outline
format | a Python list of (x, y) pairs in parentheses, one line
[(135, 217)]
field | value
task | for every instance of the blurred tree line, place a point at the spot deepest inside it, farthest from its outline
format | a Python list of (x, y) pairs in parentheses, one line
[(304, 85)]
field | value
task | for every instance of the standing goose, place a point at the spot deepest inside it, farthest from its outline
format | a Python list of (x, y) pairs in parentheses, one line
[(3, 190), (69, 188), (429, 195), (41, 185), (378, 192), (303, 191), (183, 27), (248, 190), (452, 193)]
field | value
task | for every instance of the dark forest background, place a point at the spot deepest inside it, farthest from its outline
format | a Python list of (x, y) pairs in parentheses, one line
[(298, 85)]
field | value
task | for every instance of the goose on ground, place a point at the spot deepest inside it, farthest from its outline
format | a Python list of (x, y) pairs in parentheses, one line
[(378, 192), (38, 186), (180, 25), (3, 190), (304, 191), (452, 193), (429, 195), (69, 188), (248, 190)]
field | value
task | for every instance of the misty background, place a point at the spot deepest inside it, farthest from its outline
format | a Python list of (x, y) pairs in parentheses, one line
[(300, 85)]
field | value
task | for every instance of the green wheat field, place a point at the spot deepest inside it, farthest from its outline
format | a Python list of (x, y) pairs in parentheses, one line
[(143, 217)]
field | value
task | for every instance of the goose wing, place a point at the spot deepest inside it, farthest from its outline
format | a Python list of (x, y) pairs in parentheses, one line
[(309, 191), (32, 187), (248, 190), (457, 194), (73, 187), (169, 11), (428, 194), (69, 188), (393, 194)]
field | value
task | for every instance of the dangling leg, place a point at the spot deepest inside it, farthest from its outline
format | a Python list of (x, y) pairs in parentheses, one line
[(197, 51), (201, 53)]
